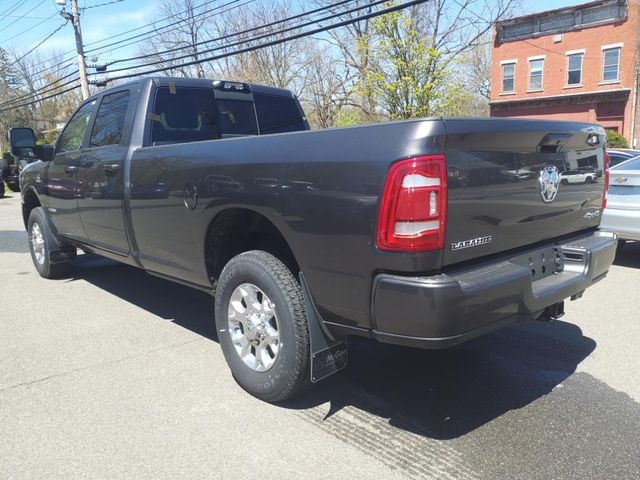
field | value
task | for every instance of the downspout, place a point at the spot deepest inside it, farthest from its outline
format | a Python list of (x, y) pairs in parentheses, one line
[(634, 116)]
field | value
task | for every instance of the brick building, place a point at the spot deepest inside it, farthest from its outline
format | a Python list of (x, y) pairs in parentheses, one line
[(575, 63)]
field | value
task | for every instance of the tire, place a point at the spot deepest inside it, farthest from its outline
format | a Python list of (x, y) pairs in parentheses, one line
[(621, 245), (14, 187), (1, 188), (289, 372), (589, 180), (50, 257), (564, 181)]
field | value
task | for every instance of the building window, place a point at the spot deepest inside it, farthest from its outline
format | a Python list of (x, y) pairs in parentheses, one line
[(574, 69), (508, 77), (611, 64), (535, 74)]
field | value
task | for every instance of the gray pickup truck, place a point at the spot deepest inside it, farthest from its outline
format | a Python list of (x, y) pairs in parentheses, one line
[(426, 232)]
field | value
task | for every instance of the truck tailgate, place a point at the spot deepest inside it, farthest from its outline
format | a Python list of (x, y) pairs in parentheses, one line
[(504, 188)]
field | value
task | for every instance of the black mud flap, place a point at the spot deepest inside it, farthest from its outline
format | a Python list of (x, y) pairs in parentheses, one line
[(328, 355)]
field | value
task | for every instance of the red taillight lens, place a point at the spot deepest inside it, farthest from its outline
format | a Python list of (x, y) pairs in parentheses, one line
[(413, 205), (606, 179)]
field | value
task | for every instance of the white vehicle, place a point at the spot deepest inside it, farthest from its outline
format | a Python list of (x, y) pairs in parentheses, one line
[(622, 212), (578, 176)]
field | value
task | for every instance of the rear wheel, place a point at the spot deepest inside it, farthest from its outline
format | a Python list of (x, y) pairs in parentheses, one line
[(14, 187), (50, 257), (564, 181), (1, 187), (262, 326)]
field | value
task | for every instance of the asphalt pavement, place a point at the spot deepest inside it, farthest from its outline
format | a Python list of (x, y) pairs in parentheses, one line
[(113, 373)]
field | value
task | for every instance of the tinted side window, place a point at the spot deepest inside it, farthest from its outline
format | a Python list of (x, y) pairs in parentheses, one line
[(188, 115), (236, 117), (632, 164), (107, 129), (615, 159), (277, 114), (73, 134)]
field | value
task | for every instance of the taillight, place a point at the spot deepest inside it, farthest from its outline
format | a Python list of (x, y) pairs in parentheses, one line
[(606, 179), (413, 205)]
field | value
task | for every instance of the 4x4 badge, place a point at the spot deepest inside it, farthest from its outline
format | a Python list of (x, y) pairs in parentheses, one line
[(549, 181)]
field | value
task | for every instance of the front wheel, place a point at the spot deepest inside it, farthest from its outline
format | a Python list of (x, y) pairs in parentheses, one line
[(13, 186), (50, 258), (262, 326), (589, 180)]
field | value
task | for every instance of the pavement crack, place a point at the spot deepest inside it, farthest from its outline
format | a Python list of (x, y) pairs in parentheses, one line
[(100, 364)]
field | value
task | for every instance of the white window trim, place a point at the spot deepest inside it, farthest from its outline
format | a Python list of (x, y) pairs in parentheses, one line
[(507, 62), (570, 54), (515, 66), (533, 59), (613, 45), (576, 52), (617, 46)]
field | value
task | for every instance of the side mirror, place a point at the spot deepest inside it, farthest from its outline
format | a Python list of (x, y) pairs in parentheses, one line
[(22, 142), (46, 153)]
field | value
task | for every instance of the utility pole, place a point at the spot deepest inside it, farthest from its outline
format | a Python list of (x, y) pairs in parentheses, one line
[(74, 16)]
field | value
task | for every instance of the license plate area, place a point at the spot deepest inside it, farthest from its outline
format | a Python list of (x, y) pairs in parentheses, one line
[(541, 263)]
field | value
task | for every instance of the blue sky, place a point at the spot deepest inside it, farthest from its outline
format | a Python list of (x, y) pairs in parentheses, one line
[(103, 22)]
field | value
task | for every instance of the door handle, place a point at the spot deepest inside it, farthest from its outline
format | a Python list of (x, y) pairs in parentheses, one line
[(111, 168), (70, 169)]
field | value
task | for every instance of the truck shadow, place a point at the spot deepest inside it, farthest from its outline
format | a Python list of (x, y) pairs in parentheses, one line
[(184, 306), (445, 394), (629, 256), (436, 394)]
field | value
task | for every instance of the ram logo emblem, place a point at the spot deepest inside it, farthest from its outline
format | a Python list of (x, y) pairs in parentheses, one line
[(549, 182)]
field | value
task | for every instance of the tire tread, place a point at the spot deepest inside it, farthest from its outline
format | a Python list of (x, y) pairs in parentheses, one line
[(298, 378)]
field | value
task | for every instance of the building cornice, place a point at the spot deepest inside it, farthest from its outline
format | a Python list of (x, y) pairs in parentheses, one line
[(579, 97), (562, 20)]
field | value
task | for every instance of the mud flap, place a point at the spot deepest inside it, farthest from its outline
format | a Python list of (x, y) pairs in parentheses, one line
[(328, 355)]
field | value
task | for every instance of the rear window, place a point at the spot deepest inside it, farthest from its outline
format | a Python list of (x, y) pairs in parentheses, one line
[(236, 117), (278, 114), (632, 164), (183, 114)]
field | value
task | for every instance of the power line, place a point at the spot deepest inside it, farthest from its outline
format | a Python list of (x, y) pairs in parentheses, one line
[(333, 26), (271, 43), (101, 5), (41, 99), (46, 89), (68, 62), (294, 17), (34, 26), (36, 46), (146, 34), (11, 9), (155, 31), (19, 17), (235, 34)]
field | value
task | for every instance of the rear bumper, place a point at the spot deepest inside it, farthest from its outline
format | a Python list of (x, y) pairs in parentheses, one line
[(447, 309), (626, 223)]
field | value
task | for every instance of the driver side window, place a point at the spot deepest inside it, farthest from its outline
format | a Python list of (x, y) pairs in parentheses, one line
[(73, 134)]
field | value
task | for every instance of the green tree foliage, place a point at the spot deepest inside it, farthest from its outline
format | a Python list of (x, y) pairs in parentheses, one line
[(615, 140), (407, 75)]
